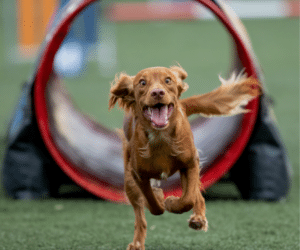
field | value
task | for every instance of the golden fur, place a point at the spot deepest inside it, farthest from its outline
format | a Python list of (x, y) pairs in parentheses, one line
[(158, 141)]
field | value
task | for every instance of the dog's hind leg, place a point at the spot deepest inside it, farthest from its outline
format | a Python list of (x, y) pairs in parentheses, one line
[(136, 199)]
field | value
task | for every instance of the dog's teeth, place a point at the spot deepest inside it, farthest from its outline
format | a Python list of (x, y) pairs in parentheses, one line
[(149, 110)]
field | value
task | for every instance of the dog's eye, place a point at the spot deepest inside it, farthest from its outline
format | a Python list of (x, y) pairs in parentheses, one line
[(142, 82), (168, 80)]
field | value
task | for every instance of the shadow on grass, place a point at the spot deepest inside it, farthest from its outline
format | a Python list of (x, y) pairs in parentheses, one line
[(222, 190)]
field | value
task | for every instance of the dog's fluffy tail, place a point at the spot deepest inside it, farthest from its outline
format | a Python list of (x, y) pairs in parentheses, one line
[(227, 100)]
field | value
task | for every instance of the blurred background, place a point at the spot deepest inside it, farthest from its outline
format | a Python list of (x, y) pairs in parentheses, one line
[(106, 43)]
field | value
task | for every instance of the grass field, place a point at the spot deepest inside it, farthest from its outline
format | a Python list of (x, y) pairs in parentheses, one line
[(202, 48)]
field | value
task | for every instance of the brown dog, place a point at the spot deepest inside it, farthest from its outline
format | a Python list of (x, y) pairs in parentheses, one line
[(158, 141)]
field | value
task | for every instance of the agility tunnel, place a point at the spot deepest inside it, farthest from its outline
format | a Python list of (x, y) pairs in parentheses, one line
[(52, 131)]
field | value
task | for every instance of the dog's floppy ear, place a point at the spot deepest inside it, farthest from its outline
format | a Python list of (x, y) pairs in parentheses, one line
[(179, 72), (121, 91), (181, 75)]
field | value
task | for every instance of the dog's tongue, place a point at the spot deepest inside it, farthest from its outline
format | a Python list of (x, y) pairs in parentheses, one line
[(159, 116)]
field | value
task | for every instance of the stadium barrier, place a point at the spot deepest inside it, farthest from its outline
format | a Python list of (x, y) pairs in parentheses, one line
[(33, 16)]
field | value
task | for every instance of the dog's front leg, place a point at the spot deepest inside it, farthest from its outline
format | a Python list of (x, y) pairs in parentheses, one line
[(154, 197), (189, 182), (198, 220)]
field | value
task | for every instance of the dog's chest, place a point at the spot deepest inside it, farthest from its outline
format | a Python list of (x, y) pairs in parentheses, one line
[(160, 145), (158, 165), (160, 156)]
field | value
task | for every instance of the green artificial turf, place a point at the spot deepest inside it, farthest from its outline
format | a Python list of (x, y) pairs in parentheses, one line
[(90, 224), (202, 48)]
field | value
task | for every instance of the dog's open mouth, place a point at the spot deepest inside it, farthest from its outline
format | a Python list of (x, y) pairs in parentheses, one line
[(159, 114)]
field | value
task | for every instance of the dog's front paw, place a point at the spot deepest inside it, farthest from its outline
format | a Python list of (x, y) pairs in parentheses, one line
[(170, 204), (198, 222), (135, 246), (177, 205)]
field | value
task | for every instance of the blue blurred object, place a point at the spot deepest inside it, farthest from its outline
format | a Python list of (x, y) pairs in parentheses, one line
[(72, 56)]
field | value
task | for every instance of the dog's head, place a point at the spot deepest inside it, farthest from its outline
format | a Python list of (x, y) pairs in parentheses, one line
[(153, 93)]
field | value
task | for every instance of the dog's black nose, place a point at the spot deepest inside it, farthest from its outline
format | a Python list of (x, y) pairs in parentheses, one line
[(157, 93)]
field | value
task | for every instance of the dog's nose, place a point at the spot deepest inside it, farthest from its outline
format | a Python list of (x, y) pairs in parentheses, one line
[(157, 93)]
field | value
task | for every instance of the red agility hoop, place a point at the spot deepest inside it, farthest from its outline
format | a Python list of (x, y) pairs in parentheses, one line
[(94, 184)]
